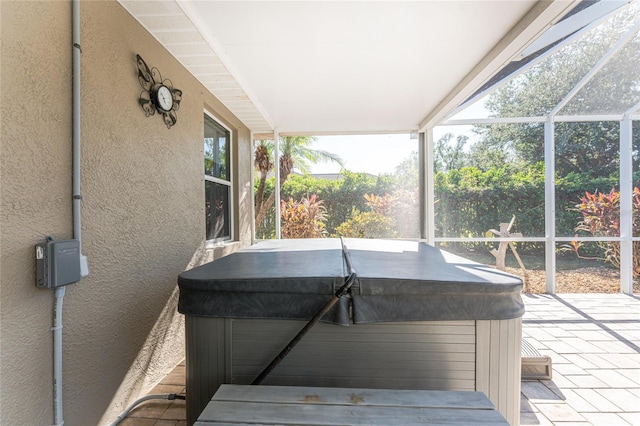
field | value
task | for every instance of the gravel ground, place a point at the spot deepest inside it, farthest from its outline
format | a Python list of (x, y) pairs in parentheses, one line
[(584, 280)]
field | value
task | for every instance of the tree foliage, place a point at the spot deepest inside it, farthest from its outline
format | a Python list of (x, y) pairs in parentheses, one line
[(345, 197), (579, 146), (449, 154), (296, 152)]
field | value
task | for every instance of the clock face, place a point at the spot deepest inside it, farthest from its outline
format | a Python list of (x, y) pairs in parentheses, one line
[(164, 98)]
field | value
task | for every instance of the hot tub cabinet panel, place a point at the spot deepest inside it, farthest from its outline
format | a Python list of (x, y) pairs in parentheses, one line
[(498, 364), (433, 355), (401, 355)]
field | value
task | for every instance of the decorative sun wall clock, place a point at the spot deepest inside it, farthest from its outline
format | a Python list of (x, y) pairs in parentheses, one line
[(158, 94)]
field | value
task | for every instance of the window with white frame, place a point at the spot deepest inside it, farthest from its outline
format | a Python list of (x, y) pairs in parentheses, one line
[(217, 180)]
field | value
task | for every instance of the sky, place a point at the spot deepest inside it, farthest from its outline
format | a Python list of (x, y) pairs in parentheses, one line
[(375, 154)]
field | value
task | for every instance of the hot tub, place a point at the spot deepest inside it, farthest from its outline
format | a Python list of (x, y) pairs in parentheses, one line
[(416, 318)]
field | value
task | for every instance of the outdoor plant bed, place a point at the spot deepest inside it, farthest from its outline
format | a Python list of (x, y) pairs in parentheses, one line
[(583, 280), (574, 275)]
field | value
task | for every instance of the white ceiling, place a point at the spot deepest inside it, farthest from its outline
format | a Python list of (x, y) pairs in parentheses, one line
[(326, 67)]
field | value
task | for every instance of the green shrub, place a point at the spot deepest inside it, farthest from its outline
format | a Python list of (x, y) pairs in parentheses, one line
[(366, 225)]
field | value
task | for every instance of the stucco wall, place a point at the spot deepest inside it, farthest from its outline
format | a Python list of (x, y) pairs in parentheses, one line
[(142, 210)]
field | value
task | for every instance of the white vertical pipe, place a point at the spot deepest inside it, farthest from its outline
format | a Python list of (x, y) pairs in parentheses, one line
[(77, 197), (550, 205), (57, 357), (58, 418), (431, 206), (626, 208), (276, 154)]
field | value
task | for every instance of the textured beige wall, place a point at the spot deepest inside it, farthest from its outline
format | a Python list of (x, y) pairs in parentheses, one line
[(142, 217)]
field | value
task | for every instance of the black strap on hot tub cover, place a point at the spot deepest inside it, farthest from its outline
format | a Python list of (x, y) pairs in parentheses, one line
[(341, 292)]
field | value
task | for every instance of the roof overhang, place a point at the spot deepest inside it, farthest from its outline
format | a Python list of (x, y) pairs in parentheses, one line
[(323, 67)]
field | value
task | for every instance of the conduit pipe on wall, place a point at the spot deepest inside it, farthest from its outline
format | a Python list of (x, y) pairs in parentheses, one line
[(77, 199), (57, 357)]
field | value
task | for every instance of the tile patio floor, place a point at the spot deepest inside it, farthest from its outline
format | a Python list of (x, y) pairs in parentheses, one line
[(594, 344)]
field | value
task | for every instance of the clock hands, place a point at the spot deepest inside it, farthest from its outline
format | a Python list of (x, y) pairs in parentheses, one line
[(165, 98)]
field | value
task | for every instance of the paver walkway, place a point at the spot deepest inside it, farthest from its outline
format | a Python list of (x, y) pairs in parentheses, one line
[(594, 343)]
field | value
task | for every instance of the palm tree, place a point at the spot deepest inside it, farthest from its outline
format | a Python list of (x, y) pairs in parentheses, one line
[(263, 163), (295, 153)]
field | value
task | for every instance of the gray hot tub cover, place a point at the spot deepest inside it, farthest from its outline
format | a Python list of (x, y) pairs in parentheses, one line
[(397, 281)]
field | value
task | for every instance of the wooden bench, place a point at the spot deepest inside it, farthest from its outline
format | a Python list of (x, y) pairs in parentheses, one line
[(288, 405)]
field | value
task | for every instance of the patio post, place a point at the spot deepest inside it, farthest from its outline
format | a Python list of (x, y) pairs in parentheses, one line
[(550, 204), (431, 229), (626, 209), (276, 156), (427, 202), (422, 185), (253, 194)]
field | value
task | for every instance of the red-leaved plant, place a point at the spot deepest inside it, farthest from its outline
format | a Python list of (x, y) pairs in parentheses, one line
[(601, 217), (303, 219)]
